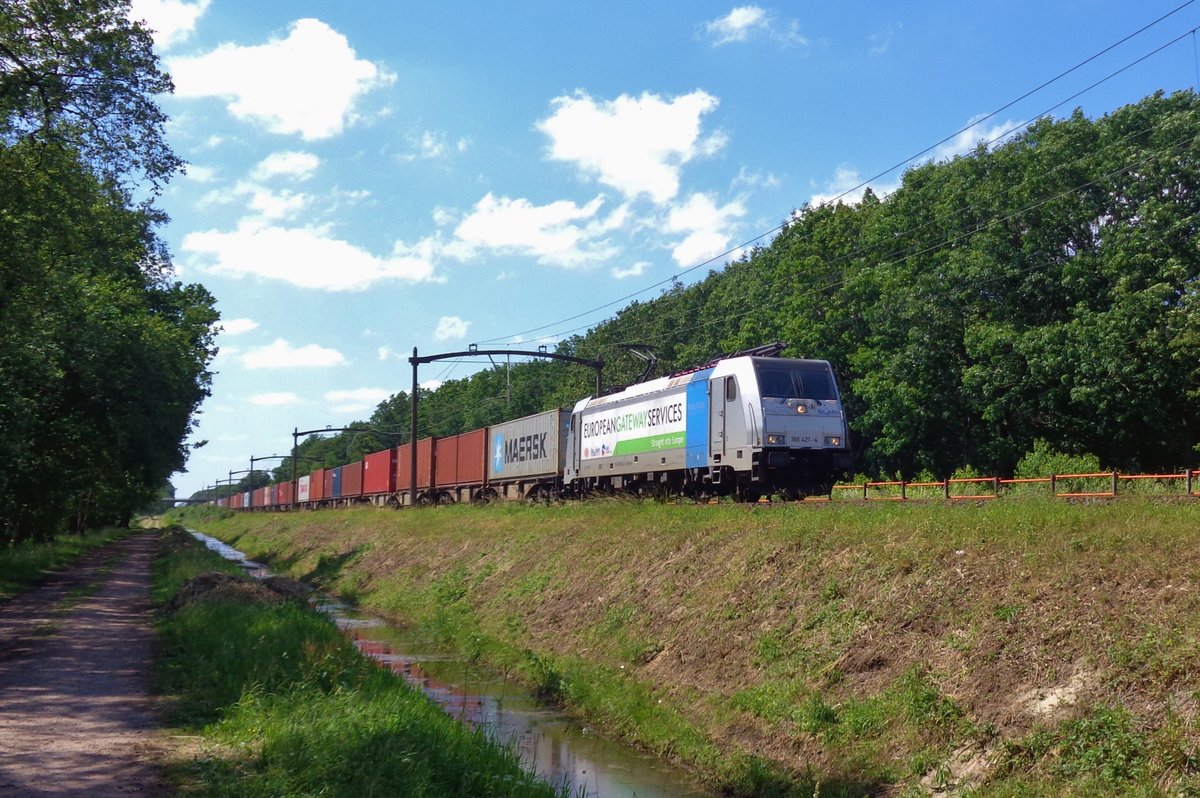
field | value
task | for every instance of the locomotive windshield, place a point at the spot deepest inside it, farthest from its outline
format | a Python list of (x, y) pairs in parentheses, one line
[(795, 380)]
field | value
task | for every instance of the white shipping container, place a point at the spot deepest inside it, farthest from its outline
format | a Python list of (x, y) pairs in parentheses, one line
[(302, 489)]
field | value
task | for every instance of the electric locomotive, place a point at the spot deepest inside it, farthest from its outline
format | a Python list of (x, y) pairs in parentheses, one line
[(748, 425)]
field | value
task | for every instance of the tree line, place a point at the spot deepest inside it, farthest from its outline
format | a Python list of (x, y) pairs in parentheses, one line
[(105, 355), (1038, 292)]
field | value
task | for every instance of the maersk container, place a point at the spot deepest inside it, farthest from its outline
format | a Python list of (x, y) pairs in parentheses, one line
[(528, 448), (352, 480), (379, 473)]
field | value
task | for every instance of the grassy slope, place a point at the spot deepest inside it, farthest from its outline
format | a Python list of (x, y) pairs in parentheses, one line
[(1024, 647)]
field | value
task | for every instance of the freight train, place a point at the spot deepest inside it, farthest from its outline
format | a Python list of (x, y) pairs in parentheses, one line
[(745, 425)]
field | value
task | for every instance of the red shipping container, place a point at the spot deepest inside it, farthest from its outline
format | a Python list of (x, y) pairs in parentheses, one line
[(472, 457), (401, 467), (461, 459), (404, 465), (327, 490), (316, 486), (379, 472), (352, 480), (446, 462), (286, 493), (425, 455)]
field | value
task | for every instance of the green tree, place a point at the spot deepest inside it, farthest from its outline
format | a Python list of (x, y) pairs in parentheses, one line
[(105, 357), (83, 76)]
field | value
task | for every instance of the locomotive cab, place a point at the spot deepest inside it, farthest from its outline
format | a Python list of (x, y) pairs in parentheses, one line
[(804, 428), (789, 414)]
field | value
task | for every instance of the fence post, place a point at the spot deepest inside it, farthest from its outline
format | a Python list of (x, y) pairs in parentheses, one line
[(1053, 484), (1188, 481), (996, 487), (1114, 482), (946, 488), (903, 490), (864, 490)]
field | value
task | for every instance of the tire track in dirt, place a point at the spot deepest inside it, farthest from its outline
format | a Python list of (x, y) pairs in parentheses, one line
[(76, 714)]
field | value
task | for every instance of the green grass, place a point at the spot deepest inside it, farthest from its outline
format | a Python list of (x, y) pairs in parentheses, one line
[(26, 564), (287, 706), (874, 646)]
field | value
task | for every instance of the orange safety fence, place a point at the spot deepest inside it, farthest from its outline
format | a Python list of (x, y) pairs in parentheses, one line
[(898, 490)]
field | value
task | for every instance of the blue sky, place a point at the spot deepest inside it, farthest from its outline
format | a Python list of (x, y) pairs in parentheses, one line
[(366, 177)]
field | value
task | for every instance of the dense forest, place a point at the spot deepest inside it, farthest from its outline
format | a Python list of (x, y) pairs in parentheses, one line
[(1040, 291), (105, 355)]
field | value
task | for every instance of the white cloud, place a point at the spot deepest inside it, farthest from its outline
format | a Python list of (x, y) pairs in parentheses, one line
[(304, 257), (636, 270), (451, 328), (269, 205), (971, 136), (737, 25), (281, 399), (200, 174), (551, 233), (637, 145), (708, 228), (744, 22), (306, 84), (747, 179), (384, 352), (844, 187), (431, 385), (881, 42), (431, 145), (356, 400), (299, 165), (280, 355), (172, 21), (238, 326)]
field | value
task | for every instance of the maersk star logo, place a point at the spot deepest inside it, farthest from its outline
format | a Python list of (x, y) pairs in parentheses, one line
[(498, 455)]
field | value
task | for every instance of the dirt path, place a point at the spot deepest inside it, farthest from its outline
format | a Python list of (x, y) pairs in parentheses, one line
[(76, 717)]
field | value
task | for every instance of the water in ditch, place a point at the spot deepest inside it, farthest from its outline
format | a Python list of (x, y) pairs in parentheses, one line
[(558, 749)]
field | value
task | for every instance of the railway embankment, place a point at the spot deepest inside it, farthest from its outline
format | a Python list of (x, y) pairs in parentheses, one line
[(1020, 647)]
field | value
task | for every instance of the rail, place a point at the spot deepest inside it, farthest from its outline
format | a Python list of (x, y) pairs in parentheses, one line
[(1097, 485)]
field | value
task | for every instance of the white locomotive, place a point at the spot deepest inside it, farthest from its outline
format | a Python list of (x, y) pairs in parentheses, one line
[(745, 425)]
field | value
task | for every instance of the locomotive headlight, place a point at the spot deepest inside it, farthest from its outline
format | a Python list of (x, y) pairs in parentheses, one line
[(801, 409), (833, 440), (776, 440)]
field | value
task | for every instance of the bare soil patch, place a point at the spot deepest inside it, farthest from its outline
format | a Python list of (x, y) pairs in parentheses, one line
[(76, 713)]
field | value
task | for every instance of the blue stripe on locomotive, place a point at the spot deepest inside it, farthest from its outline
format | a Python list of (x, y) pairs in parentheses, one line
[(697, 420)]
